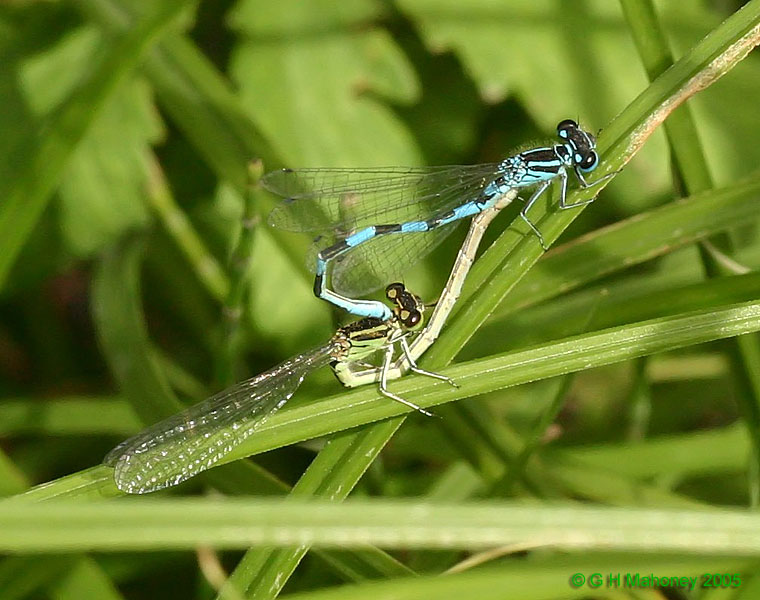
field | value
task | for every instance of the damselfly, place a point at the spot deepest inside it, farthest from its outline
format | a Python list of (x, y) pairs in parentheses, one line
[(195, 439), (370, 219)]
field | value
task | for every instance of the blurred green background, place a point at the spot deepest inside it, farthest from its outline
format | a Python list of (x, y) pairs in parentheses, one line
[(125, 133)]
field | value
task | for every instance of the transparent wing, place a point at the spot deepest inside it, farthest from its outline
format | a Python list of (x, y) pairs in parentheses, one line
[(374, 263), (192, 441), (342, 200)]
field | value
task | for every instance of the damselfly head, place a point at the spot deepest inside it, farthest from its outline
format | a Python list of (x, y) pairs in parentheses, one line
[(408, 308), (580, 143)]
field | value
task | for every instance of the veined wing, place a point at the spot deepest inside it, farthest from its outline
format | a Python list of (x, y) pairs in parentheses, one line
[(195, 439), (374, 263), (343, 200)]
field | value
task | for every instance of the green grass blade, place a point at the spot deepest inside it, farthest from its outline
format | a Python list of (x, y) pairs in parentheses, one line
[(178, 226), (85, 579), (347, 410), (699, 454), (235, 523), (694, 175), (66, 416), (123, 334), (651, 42), (634, 241), (335, 471), (514, 368), (240, 263), (295, 424), (23, 576), (540, 580)]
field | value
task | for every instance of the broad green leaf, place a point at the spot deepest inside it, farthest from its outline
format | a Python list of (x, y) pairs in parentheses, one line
[(44, 161), (103, 186), (560, 59), (552, 55), (308, 74), (103, 189), (278, 296)]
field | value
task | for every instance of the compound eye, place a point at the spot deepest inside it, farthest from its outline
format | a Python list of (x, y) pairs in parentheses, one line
[(414, 317), (564, 126), (589, 162)]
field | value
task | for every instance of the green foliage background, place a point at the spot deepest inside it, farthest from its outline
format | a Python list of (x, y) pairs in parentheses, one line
[(618, 370)]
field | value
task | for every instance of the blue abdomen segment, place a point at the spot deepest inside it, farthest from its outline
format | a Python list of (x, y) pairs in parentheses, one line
[(415, 227), (362, 308), (361, 236), (368, 308)]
